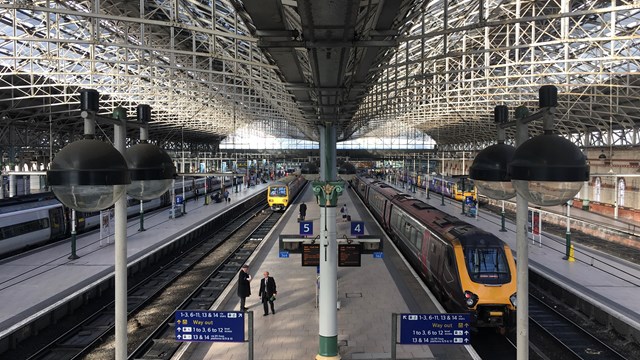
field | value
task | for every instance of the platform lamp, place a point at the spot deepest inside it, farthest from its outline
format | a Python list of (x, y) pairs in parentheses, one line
[(489, 168), (151, 168), (90, 175), (545, 170), (84, 175)]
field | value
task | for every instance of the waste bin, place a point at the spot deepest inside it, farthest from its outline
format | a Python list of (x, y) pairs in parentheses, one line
[(585, 205)]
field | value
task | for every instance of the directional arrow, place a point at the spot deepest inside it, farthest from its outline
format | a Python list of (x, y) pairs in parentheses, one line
[(179, 337), (179, 329)]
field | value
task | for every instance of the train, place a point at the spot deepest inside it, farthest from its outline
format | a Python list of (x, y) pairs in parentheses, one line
[(468, 269), (280, 195), (37, 221), (456, 187)]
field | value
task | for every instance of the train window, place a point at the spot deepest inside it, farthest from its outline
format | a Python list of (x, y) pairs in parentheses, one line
[(23, 228), (487, 265), (278, 191)]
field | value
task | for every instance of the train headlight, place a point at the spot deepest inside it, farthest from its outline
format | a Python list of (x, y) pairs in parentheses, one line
[(514, 299), (470, 299)]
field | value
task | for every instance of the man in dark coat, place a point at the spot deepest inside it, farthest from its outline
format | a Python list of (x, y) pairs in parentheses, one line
[(267, 292), (303, 211), (244, 288)]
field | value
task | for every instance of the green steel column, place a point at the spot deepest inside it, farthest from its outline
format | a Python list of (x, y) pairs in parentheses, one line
[(568, 233), (73, 255), (141, 217), (327, 191)]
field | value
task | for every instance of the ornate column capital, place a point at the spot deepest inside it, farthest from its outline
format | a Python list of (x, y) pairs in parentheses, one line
[(327, 193)]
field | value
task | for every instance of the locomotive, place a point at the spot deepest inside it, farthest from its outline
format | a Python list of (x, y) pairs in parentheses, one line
[(32, 223), (469, 269)]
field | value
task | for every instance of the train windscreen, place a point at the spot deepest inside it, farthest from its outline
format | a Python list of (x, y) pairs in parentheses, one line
[(278, 191), (468, 185), (487, 265)]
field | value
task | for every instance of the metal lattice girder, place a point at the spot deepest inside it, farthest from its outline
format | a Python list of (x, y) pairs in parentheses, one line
[(196, 67), (199, 65), (447, 75)]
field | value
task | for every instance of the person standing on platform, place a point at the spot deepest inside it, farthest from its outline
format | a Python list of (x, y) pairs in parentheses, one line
[(303, 211), (244, 286), (345, 212), (267, 293), (226, 196)]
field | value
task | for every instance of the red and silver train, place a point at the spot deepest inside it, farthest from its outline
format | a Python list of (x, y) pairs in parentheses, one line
[(469, 269), (32, 223)]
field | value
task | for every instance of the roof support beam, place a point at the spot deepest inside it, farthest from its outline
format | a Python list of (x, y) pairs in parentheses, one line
[(326, 44)]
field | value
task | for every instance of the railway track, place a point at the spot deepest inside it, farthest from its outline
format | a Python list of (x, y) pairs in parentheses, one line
[(170, 283), (161, 343), (569, 340)]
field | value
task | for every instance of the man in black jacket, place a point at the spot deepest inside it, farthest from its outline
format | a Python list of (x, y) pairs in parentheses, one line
[(267, 292), (303, 211), (244, 288)]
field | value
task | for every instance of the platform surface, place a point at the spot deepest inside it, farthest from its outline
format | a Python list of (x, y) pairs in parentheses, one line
[(368, 295), (36, 281)]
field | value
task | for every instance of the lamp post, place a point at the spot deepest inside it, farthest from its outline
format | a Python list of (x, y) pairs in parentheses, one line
[(567, 252), (151, 168), (77, 183), (545, 170), (428, 175), (463, 197)]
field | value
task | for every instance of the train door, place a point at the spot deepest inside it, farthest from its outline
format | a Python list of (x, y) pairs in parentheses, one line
[(424, 251), (448, 272), (81, 220), (435, 260), (386, 213), (57, 223)]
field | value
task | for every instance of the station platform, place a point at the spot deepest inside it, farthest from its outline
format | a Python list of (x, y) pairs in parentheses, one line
[(36, 282), (367, 295), (607, 282)]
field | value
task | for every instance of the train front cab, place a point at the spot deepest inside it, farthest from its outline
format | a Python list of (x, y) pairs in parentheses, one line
[(488, 280), (278, 197)]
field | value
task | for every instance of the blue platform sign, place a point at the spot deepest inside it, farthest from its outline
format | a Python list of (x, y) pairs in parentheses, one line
[(284, 254), (378, 255), (224, 326), (357, 228), (420, 329), (306, 228)]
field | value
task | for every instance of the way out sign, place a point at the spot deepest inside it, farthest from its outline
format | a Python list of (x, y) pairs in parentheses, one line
[(224, 326)]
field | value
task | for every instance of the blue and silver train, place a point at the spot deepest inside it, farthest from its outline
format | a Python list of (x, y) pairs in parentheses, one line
[(30, 223)]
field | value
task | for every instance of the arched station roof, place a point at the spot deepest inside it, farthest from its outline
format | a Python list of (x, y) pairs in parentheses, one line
[(282, 67)]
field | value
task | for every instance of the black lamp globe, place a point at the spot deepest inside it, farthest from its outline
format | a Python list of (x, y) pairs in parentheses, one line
[(151, 169), (548, 170), (489, 171), (83, 175)]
